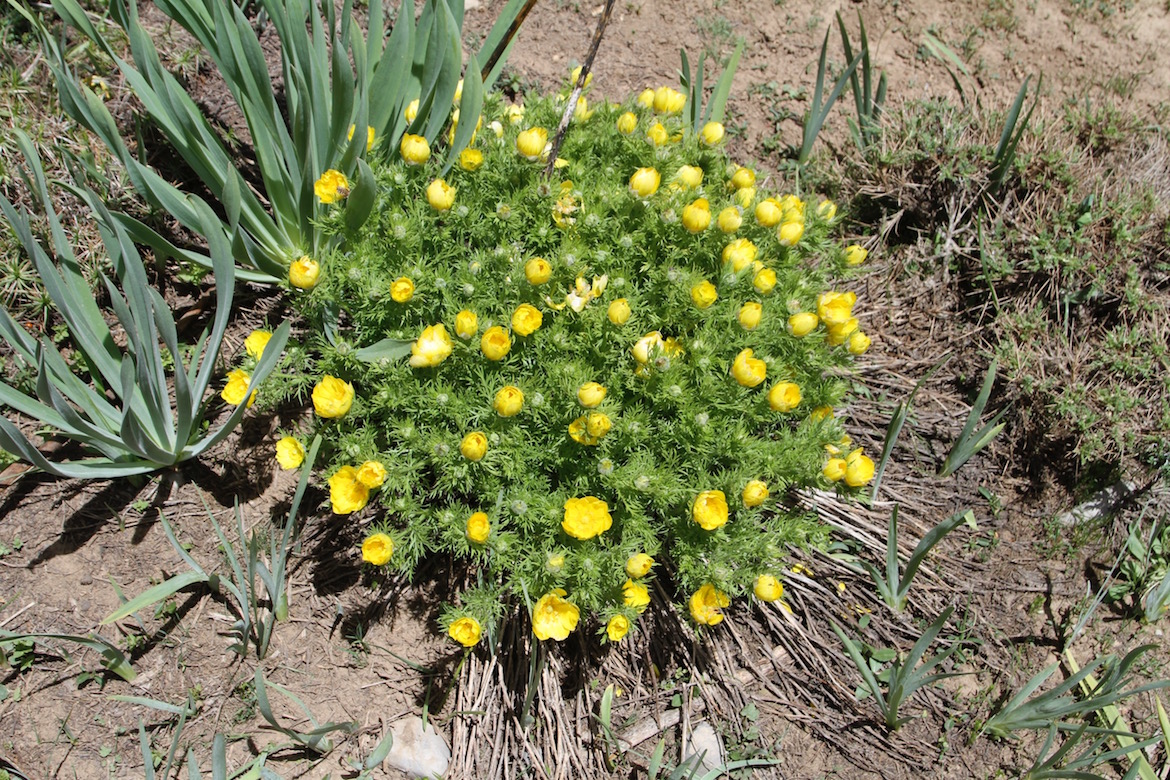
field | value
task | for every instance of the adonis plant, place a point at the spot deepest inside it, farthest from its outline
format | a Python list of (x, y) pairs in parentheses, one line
[(583, 382)]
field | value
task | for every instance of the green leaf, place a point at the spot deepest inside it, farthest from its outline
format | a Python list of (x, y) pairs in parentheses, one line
[(360, 203), (386, 349), (156, 594)]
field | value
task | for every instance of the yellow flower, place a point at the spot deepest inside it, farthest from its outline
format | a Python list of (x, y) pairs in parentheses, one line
[(835, 308), (515, 113), (826, 210), (668, 100), (704, 294), (617, 627), (696, 216), (586, 517), (750, 314), (803, 323), (440, 195), (347, 493), (657, 134), (466, 324), (706, 603), (646, 98), (730, 219), (764, 281), (638, 565), (290, 453), (331, 187), (495, 343), (644, 349), (478, 528), (855, 255), (465, 631), (743, 177), (575, 76), (432, 348), (821, 413), (741, 253), (237, 385), (402, 290), (256, 341), (858, 342), (458, 93), (474, 446), (371, 474), (793, 208), (768, 213), (304, 273), (509, 401), (834, 469), (618, 312), (527, 319), (414, 149), (531, 142), (644, 182), (784, 397), (755, 493), (745, 197), (332, 397), (627, 123), (537, 270), (838, 332), (590, 395), (470, 160), (790, 233), (747, 370), (588, 429), (709, 509), (690, 176), (553, 617), (635, 595), (555, 563), (858, 469), (377, 549), (712, 133), (768, 588), (411, 110)]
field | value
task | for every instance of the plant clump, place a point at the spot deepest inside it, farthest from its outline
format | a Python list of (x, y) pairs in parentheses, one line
[(581, 382)]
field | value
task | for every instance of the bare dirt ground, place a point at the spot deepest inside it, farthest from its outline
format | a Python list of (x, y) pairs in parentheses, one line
[(353, 648)]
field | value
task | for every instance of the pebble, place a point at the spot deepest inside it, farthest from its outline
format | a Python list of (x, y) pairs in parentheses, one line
[(418, 751), (705, 742)]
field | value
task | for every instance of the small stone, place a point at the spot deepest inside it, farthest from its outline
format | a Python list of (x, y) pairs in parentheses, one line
[(1104, 502), (86, 579), (418, 751), (705, 742)]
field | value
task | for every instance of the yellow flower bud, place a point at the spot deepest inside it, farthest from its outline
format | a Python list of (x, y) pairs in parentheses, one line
[(256, 342), (371, 474), (668, 100), (304, 273), (377, 549), (821, 413), (527, 319), (495, 343), (369, 136), (414, 149), (768, 588), (747, 370), (470, 159), (750, 314), (402, 290), (597, 425), (591, 394), (644, 349), (440, 195), (704, 294), (236, 387), (768, 212), (515, 113), (857, 342), (858, 469), (838, 332), (784, 397), (755, 493), (802, 323), (432, 347), (466, 631), (347, 494), (411, 110), (466, 324), (474, 446), (531, 142), (478, 528), (790, 233), (743, 177), (764, 281), (331, 187), (705, 604), (690, 176), (712, 133), (855, 254), (627, 123), (290, 453), (644, 182), (537, 270), (826, 210), (575, 76), (458, 93), (617, 627), (657, 134), (618, 312), (730, 219), (696, 216), (834, 469), (332, 397), (638, 565), (741, 253), (509, 401), (709, 509), (745, 197), (646, 98)]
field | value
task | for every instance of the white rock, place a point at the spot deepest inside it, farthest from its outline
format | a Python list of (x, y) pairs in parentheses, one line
[(1104, 502), (417, 751), (705, 742)]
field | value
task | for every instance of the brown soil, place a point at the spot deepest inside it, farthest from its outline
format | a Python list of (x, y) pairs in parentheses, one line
[(353, 647)]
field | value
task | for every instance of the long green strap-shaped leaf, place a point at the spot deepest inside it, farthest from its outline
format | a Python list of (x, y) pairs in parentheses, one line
[(718, 103), (969, 442), (470, 106)]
